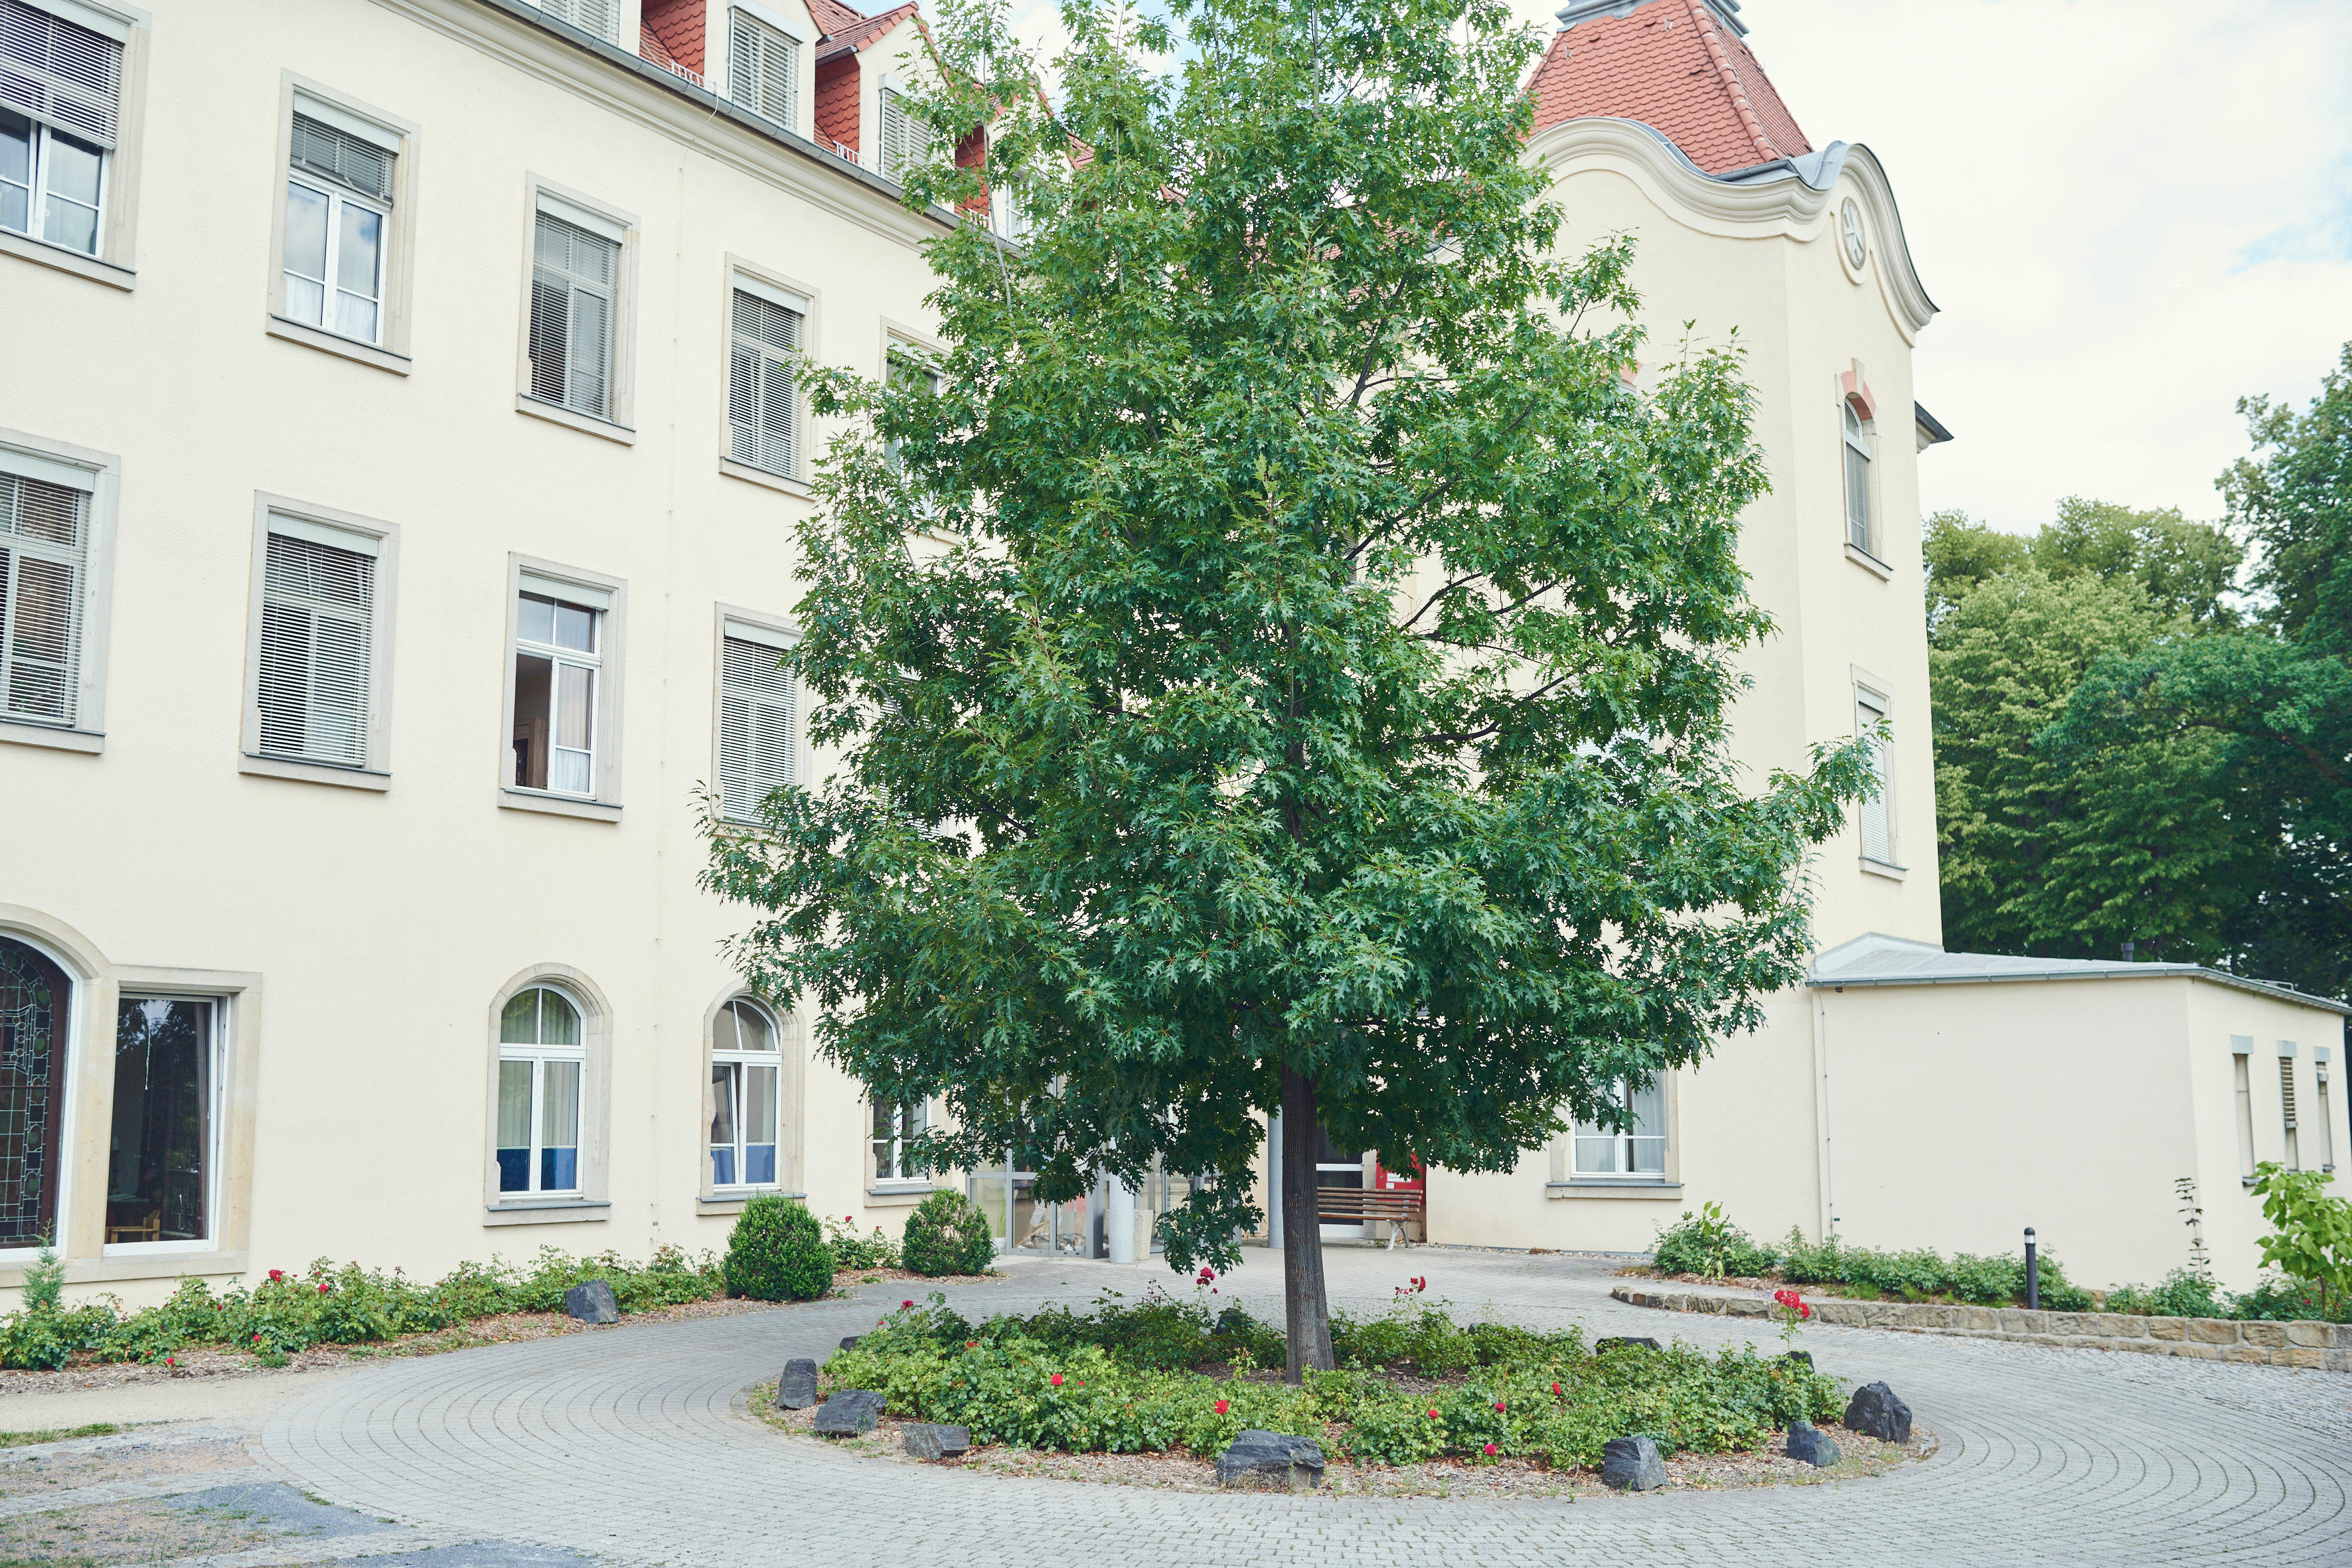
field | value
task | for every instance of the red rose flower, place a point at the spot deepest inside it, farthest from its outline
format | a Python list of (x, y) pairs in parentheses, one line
[(1223, 1405), (276, 1275), (1432, 1414), (904, 1305), (972, 1344), (324, 1286), (1499, 1405), (1555, 1388), (1055, 1380), (1491, 1450)]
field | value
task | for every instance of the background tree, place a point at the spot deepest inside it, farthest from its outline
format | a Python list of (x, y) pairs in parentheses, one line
[(1282, 666)]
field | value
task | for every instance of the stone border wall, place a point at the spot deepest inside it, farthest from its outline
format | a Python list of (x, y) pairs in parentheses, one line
[(2325, 1346)]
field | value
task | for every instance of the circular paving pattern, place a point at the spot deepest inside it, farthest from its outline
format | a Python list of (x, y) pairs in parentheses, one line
[(631, 1445)]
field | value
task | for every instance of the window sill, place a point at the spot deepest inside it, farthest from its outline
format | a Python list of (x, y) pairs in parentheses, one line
[(135, 1265), (732, 1203), (313, 772), (92, 742), (1869, 563), (1598, 1188), (64, 260), (1881, 868), (334, 343), (515, 799), (745, 471), (889, 1196), (556, 414), (546, 1211)]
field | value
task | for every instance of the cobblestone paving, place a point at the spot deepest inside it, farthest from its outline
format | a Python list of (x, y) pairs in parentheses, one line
[(634, 1448)]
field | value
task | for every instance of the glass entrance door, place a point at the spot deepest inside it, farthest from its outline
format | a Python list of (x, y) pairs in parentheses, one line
[(1335, 1169), (1020, 1222)]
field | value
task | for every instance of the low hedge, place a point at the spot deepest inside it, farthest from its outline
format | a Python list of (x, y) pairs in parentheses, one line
[(776, 1253), (350, 1305), (1162, 1374)]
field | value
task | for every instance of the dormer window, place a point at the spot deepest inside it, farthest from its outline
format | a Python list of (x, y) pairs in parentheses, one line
[(763, 69), (1857, 480)]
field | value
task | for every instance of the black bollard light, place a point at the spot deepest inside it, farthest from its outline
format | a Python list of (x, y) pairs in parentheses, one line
[(2033, 1275)]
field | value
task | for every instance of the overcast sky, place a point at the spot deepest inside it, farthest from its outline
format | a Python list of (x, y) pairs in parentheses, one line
[(2131, 212)]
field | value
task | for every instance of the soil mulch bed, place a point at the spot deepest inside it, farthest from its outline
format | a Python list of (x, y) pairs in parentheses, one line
[(1182, 1470)]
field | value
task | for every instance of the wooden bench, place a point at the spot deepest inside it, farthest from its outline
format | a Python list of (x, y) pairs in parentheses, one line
[(1343, 1206)]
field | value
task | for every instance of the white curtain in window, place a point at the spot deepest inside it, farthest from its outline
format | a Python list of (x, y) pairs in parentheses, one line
[(1877, 837)]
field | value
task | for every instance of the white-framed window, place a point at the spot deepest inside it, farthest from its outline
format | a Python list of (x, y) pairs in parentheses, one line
[(746, 1081), (602, 17), (763, 377), (2241, 1047), (558, 675), (542, 1058), (764, 68), (46, 529), (758, 718), (574, 306), (1878, 808), (1857, 479), (896, 1127), (338, 222), (1639, 1149), (163, 1157), (314, 661), (60, 107)]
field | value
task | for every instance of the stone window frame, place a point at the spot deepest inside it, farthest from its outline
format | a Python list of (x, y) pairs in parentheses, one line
[(592, 1202)]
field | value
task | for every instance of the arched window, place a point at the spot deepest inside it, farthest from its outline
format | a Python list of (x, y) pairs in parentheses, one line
[(1857, 480), (541, 1061), (36, 1004), (745, 1081)]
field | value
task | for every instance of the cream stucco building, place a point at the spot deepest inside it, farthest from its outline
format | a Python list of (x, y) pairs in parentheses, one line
[(399, 466)]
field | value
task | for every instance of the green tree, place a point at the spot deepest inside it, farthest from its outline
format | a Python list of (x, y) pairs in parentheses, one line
[(1284, 666), (2186, 569), (2068, 852)]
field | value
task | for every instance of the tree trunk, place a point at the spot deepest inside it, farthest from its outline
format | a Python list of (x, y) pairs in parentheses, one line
[(1307, 1315)]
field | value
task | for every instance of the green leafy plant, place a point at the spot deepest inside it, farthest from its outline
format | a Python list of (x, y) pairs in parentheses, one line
[(948, 1234), (2311, 1229), (1708, 1244), (777, 1253), (851, 1250), (2185, 1293)]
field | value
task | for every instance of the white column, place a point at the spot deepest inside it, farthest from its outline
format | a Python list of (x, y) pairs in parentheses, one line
[(1120, 1222)]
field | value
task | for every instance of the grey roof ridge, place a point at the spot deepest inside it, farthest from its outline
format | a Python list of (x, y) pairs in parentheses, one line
[(2058, 969)]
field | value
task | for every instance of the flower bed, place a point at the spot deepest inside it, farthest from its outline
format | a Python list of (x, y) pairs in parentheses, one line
[(1413, 1386)]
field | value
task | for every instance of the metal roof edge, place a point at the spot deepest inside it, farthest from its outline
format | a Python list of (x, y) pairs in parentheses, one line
[(2136, 972)]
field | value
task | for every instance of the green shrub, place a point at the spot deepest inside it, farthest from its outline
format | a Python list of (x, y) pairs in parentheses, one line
[(1708, 1244), (948, 1234), (2275, 1300), (776, 1253), (851, 1250), (1920, 1273), (2183, 1294)]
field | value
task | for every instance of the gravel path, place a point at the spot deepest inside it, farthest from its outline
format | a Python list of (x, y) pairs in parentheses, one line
[(636, 1449)]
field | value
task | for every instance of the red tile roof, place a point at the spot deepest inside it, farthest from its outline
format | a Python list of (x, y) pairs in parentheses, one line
[(1674, 66), (831, 15), (836, 100), (865, 30), (679, 25)]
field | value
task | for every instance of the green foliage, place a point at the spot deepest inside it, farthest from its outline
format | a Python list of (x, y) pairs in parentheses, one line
[(1129, 1383), (1709, 1245), (45, 1280), (2185, 1293), (2185, 570), (851, 1250), (948, 1234), (2311, 1229), (2292, 495), (1319, 656), (283, 1313), (776, 1253), (2274, 1300), (1921, 1273)]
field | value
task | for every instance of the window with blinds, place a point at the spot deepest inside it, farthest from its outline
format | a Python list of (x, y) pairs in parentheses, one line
[(573, 274), (602, 17), (60, 102), (762, 403), (755, 726), (338, 202), (763, 69), (2286, 1108), (44, 576), (1857, 480), (312, 674), (1878, 821), (902, 136)]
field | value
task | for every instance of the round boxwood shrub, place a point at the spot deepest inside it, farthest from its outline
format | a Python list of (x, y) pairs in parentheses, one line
[(948, 1234), (776, 1253)]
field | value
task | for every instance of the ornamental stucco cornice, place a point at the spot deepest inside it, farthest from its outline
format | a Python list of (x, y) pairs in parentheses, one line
[(1786, 206), (619, 82)]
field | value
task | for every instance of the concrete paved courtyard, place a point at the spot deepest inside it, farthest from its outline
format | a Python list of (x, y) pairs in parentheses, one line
[(631, 1447)]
